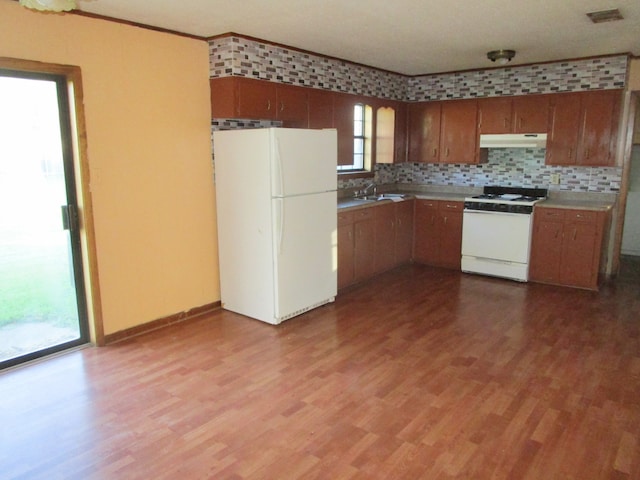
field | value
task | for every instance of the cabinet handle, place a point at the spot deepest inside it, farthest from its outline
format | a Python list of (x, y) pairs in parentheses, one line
[(447, 151), (520, 123), (575, 231), (587, 155), (570, 152), (445, 220), (282, 106), (435, 152), (268, 104)]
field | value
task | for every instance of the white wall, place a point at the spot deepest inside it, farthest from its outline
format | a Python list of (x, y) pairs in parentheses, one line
[(631, 233)]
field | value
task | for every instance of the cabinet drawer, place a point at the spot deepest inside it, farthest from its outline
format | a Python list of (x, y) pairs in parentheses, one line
[(363, 214), (445, 205), (427, 203), (583, 216), (550, 214), (345, 218)]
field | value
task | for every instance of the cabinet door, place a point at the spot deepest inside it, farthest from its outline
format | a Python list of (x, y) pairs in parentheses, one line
[(458, 131), (423, 123), (425, 244), (292, 108), (223, 97), (384, 250), (345, 255), (564, 129), (599, 117), (400, 143), (530, 114), (320, 108), (582, 248), (450, 217), (546, 246), (404, 232), (578, 250), (364, 261), (343, 121), (256, 99), (494, 115)]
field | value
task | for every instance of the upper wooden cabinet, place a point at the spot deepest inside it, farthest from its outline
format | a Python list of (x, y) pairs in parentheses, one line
[(458, 132), (520, 114), (320, 108), (600, 112), (238, 97), (400, 154), (423, 125), (443, 132), (583, 128), (292, 106), (564, 129)]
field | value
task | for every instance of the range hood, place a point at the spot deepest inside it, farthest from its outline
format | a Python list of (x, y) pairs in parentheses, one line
[(514, 140)]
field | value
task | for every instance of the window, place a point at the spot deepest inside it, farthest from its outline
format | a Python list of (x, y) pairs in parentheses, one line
[(362, 128)]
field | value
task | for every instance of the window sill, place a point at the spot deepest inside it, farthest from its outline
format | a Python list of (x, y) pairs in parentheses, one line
[(357, 174)]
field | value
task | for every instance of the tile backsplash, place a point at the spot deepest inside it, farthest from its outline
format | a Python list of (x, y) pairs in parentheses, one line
[(507, 167)]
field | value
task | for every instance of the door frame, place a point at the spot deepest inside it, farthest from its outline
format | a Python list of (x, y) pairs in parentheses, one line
[(78, 134), (630, 115)]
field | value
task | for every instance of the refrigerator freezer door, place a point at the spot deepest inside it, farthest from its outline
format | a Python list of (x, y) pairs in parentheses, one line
[(305, 244), (303, 161)]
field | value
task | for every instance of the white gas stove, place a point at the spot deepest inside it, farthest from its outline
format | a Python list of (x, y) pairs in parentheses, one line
[(496, 231)]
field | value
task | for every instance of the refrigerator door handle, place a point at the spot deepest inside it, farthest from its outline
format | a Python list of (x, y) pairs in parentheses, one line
[(280, 175), (279, 213)]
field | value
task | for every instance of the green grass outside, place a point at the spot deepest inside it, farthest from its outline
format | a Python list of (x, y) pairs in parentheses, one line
[(36, 284)]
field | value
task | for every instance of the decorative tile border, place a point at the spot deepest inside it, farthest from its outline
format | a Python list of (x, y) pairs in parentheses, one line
[(235, 55), (238, 56), (589, 74)]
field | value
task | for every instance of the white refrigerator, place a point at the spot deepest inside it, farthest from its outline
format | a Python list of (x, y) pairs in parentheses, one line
[(277, 220)]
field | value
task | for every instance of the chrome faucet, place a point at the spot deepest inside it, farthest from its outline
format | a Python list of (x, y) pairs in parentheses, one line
[(363, 192), (375, 189)]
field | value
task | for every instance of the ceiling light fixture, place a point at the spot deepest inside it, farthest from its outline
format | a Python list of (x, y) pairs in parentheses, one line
[(605, 16), (501, 57), (49, 5)]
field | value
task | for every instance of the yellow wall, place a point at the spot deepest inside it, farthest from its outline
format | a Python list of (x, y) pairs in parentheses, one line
[(147, 111)]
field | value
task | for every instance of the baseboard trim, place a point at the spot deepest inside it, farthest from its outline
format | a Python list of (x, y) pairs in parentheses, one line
[(160, 323)]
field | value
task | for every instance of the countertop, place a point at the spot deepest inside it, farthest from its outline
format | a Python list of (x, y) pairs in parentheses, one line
[(573, 200)]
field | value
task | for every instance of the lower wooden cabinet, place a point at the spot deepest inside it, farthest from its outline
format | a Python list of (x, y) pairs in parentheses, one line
[(567, 246), (385, 234), (403, 242), (438, 233), (346, 249), (373, 240), (355, 246)]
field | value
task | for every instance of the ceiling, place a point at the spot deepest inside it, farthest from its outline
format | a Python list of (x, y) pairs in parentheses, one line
[(412, 37)]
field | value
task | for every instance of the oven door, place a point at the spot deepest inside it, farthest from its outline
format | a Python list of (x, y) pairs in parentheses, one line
[(496, 236)]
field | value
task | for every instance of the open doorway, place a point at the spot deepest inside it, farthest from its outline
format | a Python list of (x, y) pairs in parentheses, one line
[(630, 244), (42, 297)]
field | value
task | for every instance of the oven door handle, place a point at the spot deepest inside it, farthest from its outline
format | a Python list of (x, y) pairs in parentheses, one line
[(484, 212)]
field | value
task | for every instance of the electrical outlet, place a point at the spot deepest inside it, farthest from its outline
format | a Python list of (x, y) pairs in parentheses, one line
[(555, 179)]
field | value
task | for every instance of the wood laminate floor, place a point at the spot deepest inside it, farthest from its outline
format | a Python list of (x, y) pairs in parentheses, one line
[(419, 374)]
